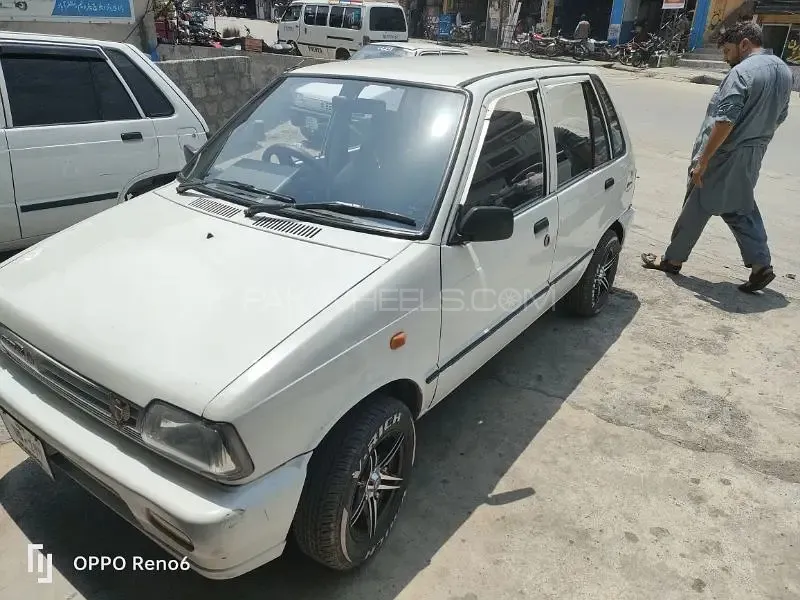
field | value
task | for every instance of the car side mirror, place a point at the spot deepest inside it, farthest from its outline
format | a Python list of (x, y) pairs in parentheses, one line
[(486, 224)]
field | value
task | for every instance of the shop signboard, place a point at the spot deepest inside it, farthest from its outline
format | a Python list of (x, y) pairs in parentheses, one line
[(445, 25), (673, 4), (68, 11)]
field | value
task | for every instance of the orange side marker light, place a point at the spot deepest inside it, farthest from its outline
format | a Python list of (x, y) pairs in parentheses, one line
[(398, 340)]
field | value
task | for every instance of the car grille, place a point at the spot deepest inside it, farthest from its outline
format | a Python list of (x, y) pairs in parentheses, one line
[(90, 397)]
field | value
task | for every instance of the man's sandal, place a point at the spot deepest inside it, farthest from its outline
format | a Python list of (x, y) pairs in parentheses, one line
[(758, 280), (651, 261)]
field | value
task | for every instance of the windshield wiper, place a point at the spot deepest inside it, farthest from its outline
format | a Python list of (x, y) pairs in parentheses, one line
[(357, 210), (247, 187), (190, 184)]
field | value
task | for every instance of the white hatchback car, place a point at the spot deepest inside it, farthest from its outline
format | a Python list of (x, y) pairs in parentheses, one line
[(84, 125), (241, 358)]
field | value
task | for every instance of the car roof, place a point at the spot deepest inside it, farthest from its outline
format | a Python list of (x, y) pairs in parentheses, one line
[(18, 36), (445, 70)]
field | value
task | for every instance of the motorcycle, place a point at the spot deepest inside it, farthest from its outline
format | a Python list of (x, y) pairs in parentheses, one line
[(562, 46), (601, 49), (462, 33)]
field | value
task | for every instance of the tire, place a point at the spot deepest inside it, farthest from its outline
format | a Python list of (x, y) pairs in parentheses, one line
[(342, 54), (637, 59), (525, 47), (338, 482), (581, 52), (551, 50), (591, 294)]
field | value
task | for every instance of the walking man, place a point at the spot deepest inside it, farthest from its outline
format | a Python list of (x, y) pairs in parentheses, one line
[(742, 116)]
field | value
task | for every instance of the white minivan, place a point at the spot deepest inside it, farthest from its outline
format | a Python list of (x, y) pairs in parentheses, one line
[(84, 125), (239, 359), (339, 28)]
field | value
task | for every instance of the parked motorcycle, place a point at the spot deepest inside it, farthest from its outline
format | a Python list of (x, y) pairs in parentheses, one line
[(601, 50), (562, 46), (535, 43), (462, 33)]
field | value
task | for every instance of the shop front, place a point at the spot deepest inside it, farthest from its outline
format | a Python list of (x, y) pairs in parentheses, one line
[(780, 21), (636, 19)]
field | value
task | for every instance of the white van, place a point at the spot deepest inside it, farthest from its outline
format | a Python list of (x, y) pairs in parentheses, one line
[(338, 29), (84, 125)]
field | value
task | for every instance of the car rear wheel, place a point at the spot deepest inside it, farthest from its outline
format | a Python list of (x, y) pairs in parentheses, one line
[(591, 294), (356, 482)]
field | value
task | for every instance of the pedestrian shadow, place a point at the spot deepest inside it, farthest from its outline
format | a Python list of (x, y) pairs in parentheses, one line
[(726, 295), (465, 446)]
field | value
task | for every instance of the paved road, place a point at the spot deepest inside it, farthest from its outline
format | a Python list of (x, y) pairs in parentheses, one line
[(653, 452)]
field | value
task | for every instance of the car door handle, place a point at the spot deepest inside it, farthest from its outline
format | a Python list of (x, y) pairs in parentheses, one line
[(540, 225), (609, 182), (129, 136)]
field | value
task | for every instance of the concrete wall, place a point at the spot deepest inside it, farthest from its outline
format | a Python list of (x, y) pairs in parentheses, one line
[(796, 78), (218, 82), (99, 31)]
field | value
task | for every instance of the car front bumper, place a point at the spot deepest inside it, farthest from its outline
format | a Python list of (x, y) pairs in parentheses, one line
[(222, 531)]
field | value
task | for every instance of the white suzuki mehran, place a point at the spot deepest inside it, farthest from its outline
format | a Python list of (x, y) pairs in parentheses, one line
[(239, 358)]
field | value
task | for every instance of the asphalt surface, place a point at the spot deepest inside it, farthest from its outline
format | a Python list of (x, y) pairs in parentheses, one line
[(651, 452)]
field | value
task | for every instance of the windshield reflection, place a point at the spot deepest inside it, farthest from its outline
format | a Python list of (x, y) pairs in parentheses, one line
[(382, 146)]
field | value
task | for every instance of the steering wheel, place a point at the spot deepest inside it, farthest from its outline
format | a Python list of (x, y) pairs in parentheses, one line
[(525, 173), (286, 153)]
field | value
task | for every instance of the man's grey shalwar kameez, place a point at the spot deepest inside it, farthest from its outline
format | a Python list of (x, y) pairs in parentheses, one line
[(754, 96)]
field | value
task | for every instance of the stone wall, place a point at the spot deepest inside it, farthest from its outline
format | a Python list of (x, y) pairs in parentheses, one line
[(219, 82), (264, 66), (216, 86)]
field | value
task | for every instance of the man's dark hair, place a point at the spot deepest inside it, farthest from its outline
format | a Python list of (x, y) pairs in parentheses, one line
[(743, 30), (583, 17)]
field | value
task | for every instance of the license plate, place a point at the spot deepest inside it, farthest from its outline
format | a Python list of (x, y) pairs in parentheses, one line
[(27, 441)]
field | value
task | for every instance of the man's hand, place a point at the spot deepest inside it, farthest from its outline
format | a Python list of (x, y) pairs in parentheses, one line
[(697, 173)]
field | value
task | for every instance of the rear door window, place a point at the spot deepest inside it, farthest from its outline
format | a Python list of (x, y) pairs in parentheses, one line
[(352, 18), (614, 126), (152, 100), (386, 18)]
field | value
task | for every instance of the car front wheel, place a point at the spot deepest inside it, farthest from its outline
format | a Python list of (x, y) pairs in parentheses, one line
[(591, 293), (356, 482)]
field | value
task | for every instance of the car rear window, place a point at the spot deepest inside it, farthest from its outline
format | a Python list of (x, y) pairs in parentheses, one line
[(386, 18)]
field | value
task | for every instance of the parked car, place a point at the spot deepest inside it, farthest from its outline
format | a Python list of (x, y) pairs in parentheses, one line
[(334, 29), (410, 48), (84, 125), (240, 359)]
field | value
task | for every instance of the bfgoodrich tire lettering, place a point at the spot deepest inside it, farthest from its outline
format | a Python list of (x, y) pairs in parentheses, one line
[(591, 293), (357, 481)]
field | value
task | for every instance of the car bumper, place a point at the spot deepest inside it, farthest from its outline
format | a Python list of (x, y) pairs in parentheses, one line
[(626, 220), (222, 531)]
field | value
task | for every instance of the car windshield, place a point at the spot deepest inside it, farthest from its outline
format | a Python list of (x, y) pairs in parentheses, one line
[(381, 51), (384, 147)]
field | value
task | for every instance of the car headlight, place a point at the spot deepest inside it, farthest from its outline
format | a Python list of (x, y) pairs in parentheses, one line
[(212, 449)]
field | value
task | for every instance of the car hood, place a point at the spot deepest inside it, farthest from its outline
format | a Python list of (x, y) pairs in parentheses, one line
[(152, 299)]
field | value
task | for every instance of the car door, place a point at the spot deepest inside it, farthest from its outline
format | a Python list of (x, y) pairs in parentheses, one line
[(492, 291), (583, 173), (9, 220), (76, 138), (289, 27)]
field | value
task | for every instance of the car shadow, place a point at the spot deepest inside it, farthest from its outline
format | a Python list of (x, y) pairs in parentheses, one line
[(466, 444), (726, 295)]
